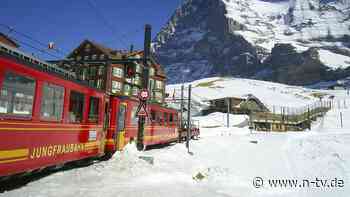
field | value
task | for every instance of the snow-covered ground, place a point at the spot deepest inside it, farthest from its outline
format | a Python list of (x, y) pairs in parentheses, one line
[(228, 159), (224, 161)]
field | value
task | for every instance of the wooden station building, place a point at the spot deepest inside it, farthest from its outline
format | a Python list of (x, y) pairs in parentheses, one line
[(237, 105), (104, 68)]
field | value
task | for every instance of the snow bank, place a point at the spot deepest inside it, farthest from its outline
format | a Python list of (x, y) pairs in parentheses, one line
[(219, 119)]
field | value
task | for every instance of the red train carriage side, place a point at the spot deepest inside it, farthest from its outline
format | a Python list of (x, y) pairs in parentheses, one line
[(45, 120), (160, 128)]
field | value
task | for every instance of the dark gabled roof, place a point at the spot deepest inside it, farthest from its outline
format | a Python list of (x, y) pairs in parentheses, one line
[(9, 39), (107, 51)]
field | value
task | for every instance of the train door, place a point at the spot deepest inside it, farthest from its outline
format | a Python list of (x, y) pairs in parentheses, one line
[(120, 127)]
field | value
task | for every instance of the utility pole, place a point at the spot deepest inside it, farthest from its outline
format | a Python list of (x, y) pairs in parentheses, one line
[(143, 103), (189, 119), (228, 112), (181, 111)]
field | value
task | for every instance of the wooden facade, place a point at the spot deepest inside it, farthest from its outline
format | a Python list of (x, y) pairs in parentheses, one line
[(104, 68), (237, 105)]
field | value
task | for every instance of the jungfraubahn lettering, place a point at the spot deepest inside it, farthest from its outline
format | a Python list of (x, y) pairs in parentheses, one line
[(52, 150)]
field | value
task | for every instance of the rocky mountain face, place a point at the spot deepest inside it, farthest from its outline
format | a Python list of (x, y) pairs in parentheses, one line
[(279, 40)]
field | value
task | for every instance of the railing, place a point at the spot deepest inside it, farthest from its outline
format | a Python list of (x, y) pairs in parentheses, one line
[(293, 116)]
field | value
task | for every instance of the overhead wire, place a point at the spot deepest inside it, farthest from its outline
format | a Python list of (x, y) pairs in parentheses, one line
[(110, 27), (31, 38)]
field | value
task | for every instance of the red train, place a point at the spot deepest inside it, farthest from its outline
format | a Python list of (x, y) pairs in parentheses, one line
[(48, 120)]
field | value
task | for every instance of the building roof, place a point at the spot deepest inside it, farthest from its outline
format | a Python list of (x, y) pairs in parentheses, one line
[(113, 54), (120, 54), (9, 40), (243, 99)]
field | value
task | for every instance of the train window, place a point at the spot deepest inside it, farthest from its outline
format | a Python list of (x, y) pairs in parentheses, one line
[(165, 118), (121, 118), (93, 109), (134, 117), (153, 115), (76, 107), (17, 95), (159, 118), (52, 102), (171, 118)]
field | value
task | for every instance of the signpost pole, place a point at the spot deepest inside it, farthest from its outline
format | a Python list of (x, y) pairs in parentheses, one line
[(189, 119), (143, 101)]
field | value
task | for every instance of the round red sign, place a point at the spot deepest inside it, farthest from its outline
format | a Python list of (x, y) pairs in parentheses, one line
[(144, 94)]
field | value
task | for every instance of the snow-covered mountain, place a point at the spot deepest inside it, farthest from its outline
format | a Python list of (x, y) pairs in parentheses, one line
[(256, 39)]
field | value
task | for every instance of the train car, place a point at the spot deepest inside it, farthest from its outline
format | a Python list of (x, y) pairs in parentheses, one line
[(161, 124), (45, 119)]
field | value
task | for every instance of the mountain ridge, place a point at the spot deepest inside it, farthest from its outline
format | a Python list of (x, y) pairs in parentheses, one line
[(231, 38)]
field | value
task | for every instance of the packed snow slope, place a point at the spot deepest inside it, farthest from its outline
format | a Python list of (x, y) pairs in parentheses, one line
[(224, 162)]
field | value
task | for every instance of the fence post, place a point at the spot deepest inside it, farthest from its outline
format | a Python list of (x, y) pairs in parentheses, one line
[(308, 117), (341, 119)]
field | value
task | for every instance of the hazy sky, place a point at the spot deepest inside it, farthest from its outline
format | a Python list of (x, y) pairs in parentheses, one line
[(116, 23)]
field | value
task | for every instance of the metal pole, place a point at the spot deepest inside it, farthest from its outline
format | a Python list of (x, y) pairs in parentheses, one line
[(181, 111), (146, 55), (341, 119), (189, 119), (228, 112)]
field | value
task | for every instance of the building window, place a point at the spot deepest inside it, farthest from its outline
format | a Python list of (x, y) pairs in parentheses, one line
[(99, 84), (137, 80), (17, 95), (93, 72), (52, 102), (92, 83), (93, 109), (101, 70), (127, 89), (151, 85), (76, 107), (94, 57), (152, 71), (85, 74), (138, 68), (159, 85), (158, 96), (128, 80), (117, 72), (116, 87), (102, 56), (135, 91), (86, 57)]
